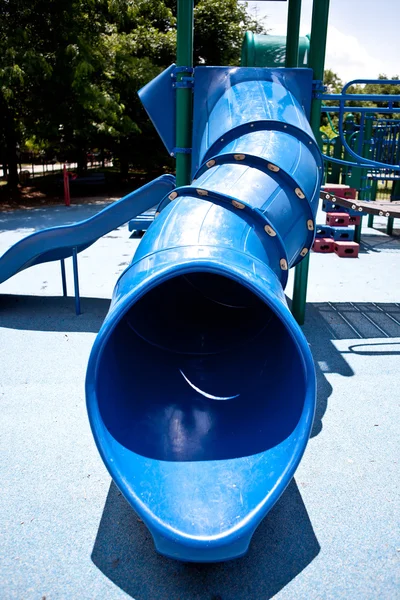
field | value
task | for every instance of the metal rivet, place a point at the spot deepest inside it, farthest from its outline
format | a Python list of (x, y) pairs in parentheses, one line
[(283, 264), (285, 127), (239, 156), (172, 154), (360, 209), (299, 193), (202, 192), (304, 252), (387, 214), (310, 225), (333, 199), (237, 204), (252, 125), (310, 142), (270, 231), (381, 213), (210, 163), (273, 168), (222, 139), (173, 195), (327, 196), (353, 206)]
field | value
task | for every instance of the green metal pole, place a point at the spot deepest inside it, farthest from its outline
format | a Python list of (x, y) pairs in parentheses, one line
[(293, 33), (349, 178), (374, 191), (395, 195), (316, 61), (364, 193), (184, 58)]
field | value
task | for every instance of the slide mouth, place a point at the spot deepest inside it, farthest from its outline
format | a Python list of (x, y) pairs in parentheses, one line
[(198, 314), (201, 366)]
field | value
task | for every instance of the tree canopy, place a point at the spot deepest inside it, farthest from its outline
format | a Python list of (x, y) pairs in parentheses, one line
[(71, 70)]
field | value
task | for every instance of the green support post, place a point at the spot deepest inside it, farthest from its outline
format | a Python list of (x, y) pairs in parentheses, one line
[(293, 32), (389, 226), (374, 191), (349, 128), (316, 61), (364, 193), (184, 58), (395, 195)]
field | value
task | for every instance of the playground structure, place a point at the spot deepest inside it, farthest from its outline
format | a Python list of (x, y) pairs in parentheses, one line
[(203, 450), (202, 302), (377, 139), (59, 243), (203, 295)]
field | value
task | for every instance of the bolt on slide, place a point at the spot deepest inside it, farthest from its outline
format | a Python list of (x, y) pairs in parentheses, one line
[(200, 385)]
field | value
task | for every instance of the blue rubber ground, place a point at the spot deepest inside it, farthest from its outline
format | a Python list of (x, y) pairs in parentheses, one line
[(67, 533)]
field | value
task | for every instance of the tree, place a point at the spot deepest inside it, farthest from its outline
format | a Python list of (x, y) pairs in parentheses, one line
[(71, 70), (332, 82), (23, 68), (143, 43), (51, 77), (220, 26)]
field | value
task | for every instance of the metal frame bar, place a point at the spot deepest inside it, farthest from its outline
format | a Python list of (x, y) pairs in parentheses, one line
[(316, 61), (184, 104), (361, 109), (63, 278), (342, 98), (76, 281)]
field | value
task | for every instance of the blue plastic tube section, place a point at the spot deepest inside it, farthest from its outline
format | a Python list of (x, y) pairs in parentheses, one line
[(200, 385)]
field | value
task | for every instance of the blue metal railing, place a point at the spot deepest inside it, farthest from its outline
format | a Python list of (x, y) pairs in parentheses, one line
[(342, 98)]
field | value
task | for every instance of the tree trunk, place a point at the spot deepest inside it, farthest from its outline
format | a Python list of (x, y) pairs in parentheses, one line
[(82, 161)]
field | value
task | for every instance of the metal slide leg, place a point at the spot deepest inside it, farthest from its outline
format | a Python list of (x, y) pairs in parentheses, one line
[(357, 232), (63, 277), (76, 281), (389, 226), (300, 290), (370, 220)]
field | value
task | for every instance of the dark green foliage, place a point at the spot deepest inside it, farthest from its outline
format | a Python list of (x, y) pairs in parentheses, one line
[(71, 69)]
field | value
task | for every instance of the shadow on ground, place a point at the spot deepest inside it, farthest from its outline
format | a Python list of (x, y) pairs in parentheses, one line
[(375, 243), (52, 313), (36, 219), (283, 545), (330, 321)]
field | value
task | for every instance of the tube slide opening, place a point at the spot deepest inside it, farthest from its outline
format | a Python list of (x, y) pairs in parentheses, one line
[(200, 368)]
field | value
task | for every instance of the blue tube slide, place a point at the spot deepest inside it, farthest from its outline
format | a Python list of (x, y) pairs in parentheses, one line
[(57, 243), (200, 385)]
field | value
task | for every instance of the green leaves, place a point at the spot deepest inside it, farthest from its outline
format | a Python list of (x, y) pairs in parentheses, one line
[(71, 69)]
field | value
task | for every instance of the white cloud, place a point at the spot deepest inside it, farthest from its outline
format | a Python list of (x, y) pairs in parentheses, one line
[(344, 55), (349, 59)]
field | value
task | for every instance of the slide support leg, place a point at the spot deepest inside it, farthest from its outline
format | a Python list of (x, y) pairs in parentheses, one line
[(357, 232), (76, 281), (63, 277), (300, 290)]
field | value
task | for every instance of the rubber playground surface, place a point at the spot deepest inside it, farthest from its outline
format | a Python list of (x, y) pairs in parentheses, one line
[(66, 531)]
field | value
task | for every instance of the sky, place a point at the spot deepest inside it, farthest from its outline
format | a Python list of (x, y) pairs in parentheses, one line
[(363, 35)]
